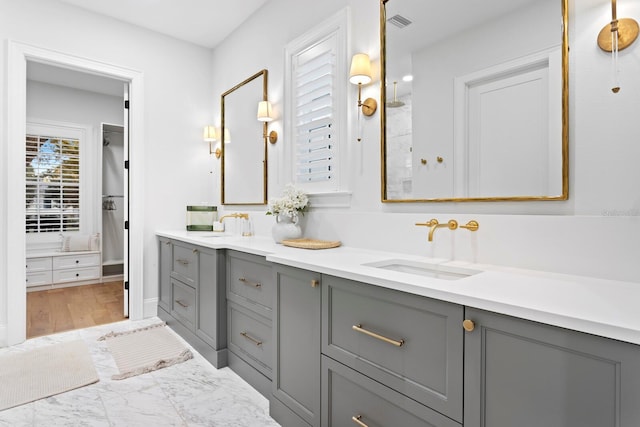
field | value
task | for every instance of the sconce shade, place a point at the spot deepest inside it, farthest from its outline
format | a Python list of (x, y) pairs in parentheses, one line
[(264, 111), (209, 133), (360, 72)]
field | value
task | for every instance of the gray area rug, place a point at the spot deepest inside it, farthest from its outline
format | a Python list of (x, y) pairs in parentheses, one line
[(144, 350), (35, 374)]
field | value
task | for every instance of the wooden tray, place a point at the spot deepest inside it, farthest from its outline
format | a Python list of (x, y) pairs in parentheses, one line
[(311, 243)]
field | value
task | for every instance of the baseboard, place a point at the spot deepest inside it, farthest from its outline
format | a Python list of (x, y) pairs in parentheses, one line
[(150, 308)]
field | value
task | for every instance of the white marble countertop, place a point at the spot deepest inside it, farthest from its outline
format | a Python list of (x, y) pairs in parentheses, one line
[(601, 307)]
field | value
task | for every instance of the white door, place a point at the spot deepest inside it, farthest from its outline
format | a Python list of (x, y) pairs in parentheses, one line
[(126, 201)]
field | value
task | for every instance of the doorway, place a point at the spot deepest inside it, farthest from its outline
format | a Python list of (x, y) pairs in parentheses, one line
[(14, 286)]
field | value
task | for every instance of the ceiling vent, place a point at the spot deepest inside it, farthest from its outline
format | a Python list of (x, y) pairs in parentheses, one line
[(399, 21)]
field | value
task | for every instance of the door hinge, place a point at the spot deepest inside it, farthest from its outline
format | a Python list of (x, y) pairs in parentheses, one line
[(126, 225), (126, 164), (126, 286), (126, 104)]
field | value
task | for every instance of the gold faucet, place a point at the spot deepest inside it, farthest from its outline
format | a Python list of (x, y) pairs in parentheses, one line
[(433, 224), (235, 215)]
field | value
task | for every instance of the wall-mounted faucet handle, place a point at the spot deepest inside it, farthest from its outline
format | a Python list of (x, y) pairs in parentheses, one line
[(471, 225), (429, 223)]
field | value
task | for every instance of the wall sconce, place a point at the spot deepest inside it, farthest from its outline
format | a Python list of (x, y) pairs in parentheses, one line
[(265, 115), (210, 137), (359, 74), (617, 35)]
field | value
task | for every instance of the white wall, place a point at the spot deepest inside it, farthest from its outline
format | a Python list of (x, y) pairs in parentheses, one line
[(177, 103), (595, 233)]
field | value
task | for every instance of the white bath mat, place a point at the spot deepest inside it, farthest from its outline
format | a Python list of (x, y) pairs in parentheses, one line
[(144, 350), (43, 372)]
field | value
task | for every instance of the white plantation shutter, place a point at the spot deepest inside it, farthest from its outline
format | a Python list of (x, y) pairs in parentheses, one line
[(52, 184), (316, 72), (316, 143)]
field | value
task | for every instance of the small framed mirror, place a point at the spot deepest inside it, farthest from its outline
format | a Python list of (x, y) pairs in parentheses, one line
[(474, 100), (243, 145)]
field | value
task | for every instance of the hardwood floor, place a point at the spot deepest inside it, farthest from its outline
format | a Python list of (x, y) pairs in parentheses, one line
[(64, 309)]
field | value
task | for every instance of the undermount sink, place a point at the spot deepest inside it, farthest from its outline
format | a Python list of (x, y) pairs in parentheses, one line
[(436, 271)]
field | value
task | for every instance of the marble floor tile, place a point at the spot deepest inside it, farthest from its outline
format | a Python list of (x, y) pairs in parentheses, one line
[(189, 394)]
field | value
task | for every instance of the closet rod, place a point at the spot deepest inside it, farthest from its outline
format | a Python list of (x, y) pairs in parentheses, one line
[(110, 195)]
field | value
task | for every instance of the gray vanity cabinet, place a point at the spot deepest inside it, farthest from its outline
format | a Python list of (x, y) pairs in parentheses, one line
[(250, 292), (192, 296), (296, 329), (527, 374), (165, 249), (411, 344)]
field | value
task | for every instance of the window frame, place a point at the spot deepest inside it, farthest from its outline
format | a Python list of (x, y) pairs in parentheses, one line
[(336, 194), (87, 155)]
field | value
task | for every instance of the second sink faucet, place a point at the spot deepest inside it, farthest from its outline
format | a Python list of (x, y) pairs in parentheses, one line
[(235, 215)]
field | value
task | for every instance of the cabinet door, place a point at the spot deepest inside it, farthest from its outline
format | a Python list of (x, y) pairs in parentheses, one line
[(526, 374), (296, 326), (211, 323), (165, 251)]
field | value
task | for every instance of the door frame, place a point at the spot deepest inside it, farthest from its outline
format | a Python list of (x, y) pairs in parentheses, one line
[(13, 227)]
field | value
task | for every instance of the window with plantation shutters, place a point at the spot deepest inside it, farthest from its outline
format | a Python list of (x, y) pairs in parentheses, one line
[(315, 109), (316, 143), (52, 184)]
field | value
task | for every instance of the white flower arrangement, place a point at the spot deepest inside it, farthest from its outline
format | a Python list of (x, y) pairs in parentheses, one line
[(292, 202)]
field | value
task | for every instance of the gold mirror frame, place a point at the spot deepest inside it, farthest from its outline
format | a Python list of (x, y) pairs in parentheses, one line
[(264, 74), (565, 121)]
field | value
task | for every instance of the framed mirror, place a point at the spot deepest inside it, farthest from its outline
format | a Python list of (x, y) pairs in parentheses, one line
[(474, 100), (243, 145)]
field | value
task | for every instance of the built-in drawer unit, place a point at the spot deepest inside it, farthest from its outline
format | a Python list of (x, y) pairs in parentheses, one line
[(410, 343), (76, 261), (39, 278), (250, 281), (76, 274), (183, 304), (39, 264), (185, 263), (350, 398), (249, 337)]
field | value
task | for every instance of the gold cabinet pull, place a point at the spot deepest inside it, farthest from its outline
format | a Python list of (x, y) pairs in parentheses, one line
[(315, 283), (168, 242), (182, 303), (359, 328), (357, 419), (246, 282), (183, 261), (468, 325), (252, 339), (195, 251)]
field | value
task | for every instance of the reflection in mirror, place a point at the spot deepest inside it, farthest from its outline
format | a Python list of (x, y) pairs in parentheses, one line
[(244, 148), (474, 100)]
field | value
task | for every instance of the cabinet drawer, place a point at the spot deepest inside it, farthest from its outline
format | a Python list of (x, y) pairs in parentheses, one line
[(349, 394), (410, 343), (250, 337), (185, 263), (38, 264), (76, 261), (39, 278), (250, 281), (76, 274), (183, 304)]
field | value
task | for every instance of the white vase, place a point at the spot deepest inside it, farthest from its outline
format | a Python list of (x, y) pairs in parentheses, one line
[(286, 227)]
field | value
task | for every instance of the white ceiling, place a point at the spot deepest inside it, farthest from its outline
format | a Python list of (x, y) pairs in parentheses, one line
[(202, 22)]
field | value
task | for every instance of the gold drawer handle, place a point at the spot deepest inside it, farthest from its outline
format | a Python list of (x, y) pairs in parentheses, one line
[(183, 261), (359, 328), (195, 251), (315, 283), (246, 282), (168, 242), (252, 339), (357, 419), (182, 303)]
